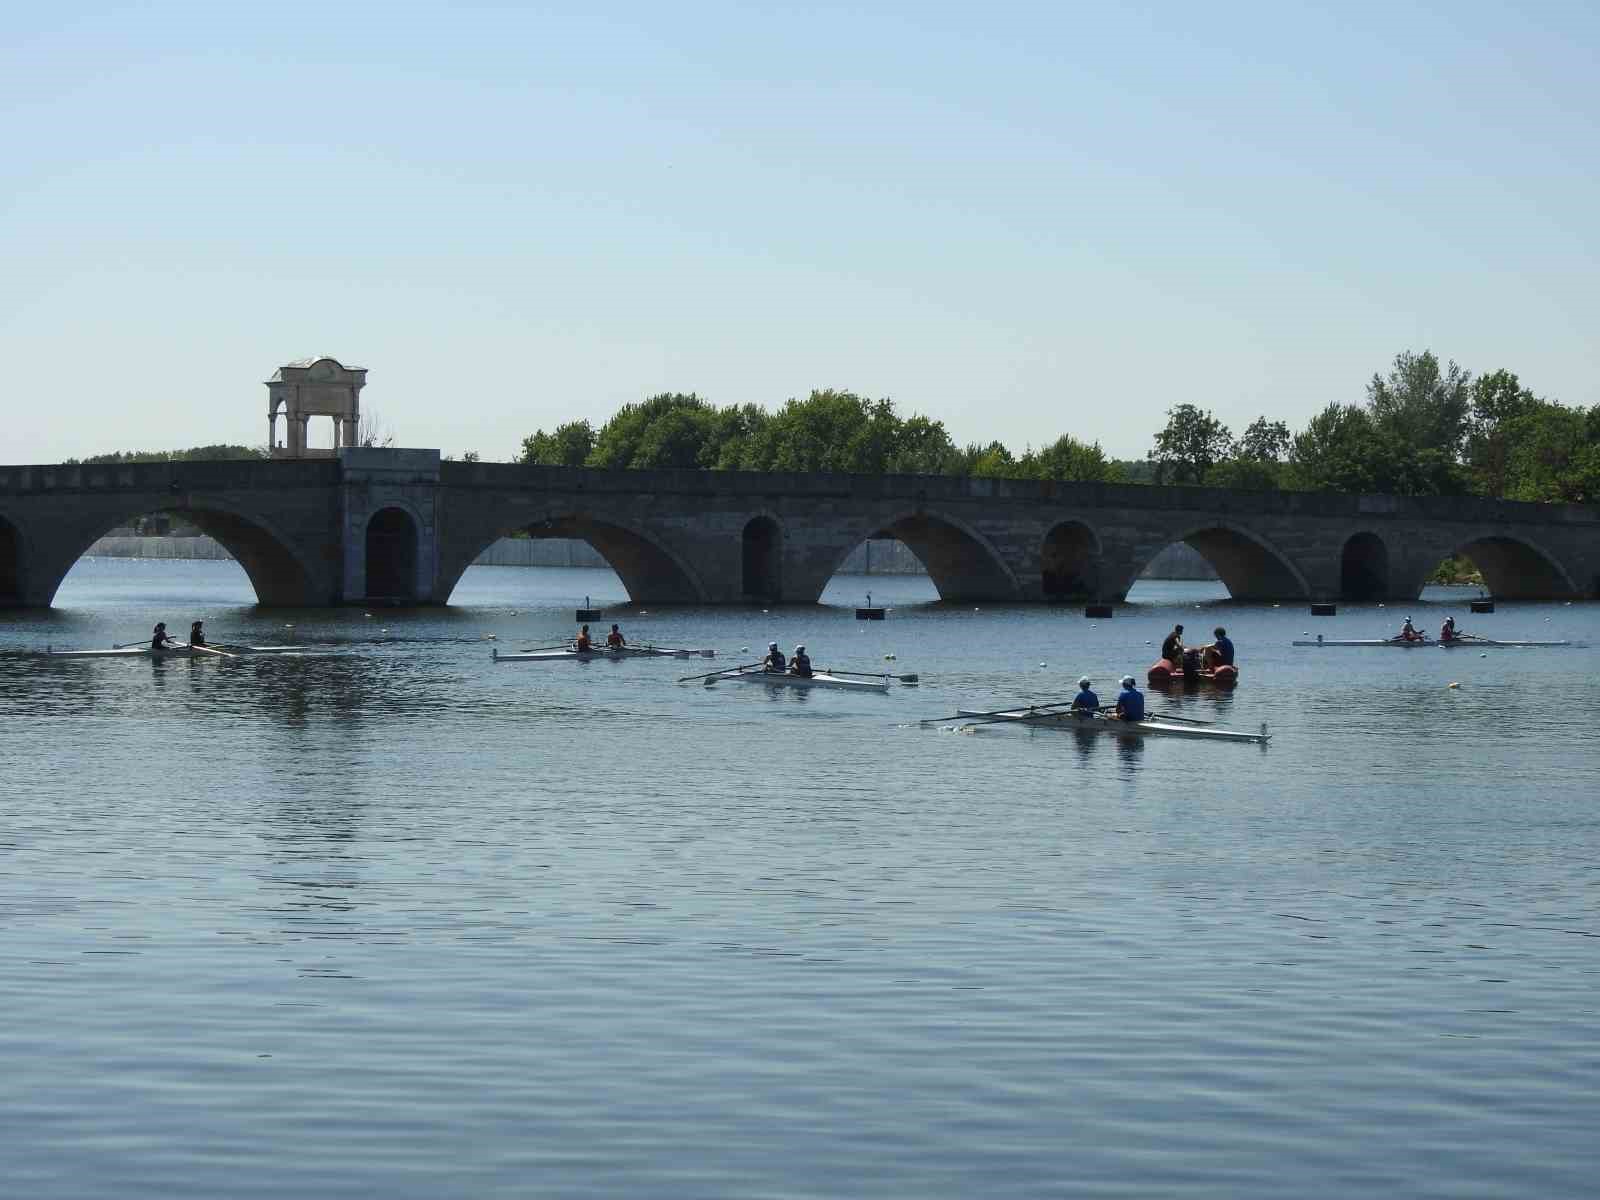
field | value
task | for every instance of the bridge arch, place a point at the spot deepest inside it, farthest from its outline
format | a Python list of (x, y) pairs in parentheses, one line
[(1364, 567), (960, 561), (761, 559), (11, 560), (1069, 561), (391, 555), (1250, 567), (646, 566), (276, 568), (1516, 568)]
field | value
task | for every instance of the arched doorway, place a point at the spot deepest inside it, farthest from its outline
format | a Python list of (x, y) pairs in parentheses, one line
[(1364, 568), (10, 566), (1069, 565), (391, 556), (762, 560)]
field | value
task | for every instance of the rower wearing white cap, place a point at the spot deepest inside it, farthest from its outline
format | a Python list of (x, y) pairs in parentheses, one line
[(774, 660), (1409, 632), (1085, 703), (800, 664), (1130, 701)]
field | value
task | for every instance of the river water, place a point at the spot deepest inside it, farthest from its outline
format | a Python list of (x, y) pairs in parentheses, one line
[(393, 920)]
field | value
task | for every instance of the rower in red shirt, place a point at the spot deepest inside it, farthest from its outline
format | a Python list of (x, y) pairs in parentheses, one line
[(584, 642)]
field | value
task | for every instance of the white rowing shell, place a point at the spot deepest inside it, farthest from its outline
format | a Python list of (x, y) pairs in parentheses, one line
[(1151, 726), (1466, 643), (819, 679), (570, 655)]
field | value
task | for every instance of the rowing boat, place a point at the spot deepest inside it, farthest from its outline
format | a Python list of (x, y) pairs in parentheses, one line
[(1400, 643), (568, 654), (179, 651), (1164, 671), (1099, 723), (817, 679)]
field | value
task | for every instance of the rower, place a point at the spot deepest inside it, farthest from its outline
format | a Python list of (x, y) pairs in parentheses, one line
[(584, 642), (197, 636), (774, 661), (1172, 648), (800, 664), (1220, 652), (615, 640), (1130, 700), (1085, 703), (159, 638), (1447, 631), (1409, 633)]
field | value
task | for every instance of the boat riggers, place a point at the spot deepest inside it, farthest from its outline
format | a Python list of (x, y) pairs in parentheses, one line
[(1101, 723)]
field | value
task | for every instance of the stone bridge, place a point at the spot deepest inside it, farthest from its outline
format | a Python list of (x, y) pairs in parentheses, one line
[(402, 526)]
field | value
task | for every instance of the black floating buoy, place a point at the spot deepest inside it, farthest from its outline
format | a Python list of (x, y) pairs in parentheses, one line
[(1097, 610), (1483, 606), (588, 614), (869, 614), (1324, 610)]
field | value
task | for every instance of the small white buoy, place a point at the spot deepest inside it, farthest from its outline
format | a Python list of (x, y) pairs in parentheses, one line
[(763, 612), (383, 631), (1453, 686), (1041, 664), (488, 637), (744, 649), (888, 658), (368, 616), (1381, 604), (1277, 606), (976, 610), (644, 612), (1148, 642), (1483, 656)]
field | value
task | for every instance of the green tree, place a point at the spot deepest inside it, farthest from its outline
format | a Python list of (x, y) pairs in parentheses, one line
[(569, 446), (214, 453), (1191, 444), (619, 440), (1499, 403), (1069, 460), (1422, 404)]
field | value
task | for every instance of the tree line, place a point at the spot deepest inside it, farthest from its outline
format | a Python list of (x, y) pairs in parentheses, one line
[(1423, 429)]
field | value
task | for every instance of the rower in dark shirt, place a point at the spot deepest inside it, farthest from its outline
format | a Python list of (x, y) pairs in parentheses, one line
[(800, 664), (1172, 648), (197, 636), (774, 660), (1220, 652), (159, 638)]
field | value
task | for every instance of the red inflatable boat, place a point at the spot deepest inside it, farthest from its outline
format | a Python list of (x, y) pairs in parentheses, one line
[(1166, 672)]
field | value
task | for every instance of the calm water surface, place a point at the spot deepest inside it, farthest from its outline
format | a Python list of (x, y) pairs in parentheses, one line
[(393, 920)]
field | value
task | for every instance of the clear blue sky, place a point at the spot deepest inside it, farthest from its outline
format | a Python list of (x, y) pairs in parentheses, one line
[(1022, 219)]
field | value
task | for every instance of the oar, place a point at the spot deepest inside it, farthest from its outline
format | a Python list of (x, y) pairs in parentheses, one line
[(553, 646), (208, 650), (685, 650), (724, 671), (130, 645), (996, 712), (1171, 716), (872, 674)]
